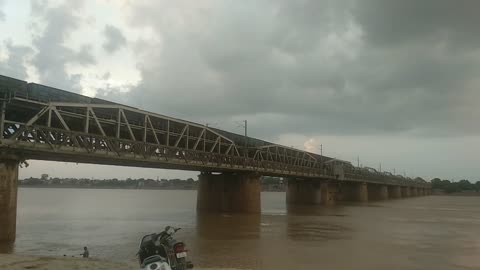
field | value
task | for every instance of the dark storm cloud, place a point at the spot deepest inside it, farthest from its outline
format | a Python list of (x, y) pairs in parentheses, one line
[(15, 64), (115, 40), (314, 67), (52, 53)]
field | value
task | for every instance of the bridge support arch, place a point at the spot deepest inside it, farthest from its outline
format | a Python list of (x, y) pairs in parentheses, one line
[(229, 192), (8, 199)]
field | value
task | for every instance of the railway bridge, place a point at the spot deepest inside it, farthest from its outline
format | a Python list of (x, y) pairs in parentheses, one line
[(43, 123)]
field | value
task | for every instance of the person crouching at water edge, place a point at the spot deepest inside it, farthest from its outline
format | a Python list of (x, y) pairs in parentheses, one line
[(85, 253)]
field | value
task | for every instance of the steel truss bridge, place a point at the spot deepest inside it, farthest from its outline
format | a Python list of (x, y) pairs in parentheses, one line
[(44, 123)]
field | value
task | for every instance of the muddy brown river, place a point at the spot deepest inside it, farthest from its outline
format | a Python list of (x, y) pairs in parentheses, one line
[(435, 232)]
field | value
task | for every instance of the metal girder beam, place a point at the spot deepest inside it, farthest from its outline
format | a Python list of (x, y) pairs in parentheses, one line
[(199, 139), (96, 121), (215, 144), (132, 136), (181, 135), (153, 129), (145, 128), (87, 121), (38, 115), (118, 124), (64, 124)]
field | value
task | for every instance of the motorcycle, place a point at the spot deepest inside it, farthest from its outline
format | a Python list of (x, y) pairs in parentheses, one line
[(161, 251)]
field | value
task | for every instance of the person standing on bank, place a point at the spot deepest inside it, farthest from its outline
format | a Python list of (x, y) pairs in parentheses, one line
[(85, 253)]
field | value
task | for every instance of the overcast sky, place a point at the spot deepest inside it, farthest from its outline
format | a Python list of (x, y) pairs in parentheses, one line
[(395, 82)]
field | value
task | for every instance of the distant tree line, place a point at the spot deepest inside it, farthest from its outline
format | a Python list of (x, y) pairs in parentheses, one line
[(450, 187), (109, 183), (268, 183)]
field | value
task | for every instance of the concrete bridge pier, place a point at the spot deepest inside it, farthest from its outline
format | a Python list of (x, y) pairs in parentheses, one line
[(354, 192), (310, 191), (394, 192), (329, 192), (405, 192), (413, 191), (303, 191), (229, 192), (377, 192), (8, 199)]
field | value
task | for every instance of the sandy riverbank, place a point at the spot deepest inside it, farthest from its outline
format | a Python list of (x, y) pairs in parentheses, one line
[(18, 262)]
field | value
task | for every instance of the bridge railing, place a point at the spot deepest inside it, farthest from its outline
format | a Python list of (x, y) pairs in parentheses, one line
[(32, 139)]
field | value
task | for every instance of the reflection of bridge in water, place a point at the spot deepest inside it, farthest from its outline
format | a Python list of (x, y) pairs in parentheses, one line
[(43, 123)]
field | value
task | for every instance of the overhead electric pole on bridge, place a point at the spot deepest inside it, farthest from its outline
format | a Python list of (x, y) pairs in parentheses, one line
[(244, 125), (321, 153), (246, 138)]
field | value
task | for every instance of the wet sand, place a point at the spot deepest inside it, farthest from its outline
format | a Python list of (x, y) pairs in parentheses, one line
[(17, 262)]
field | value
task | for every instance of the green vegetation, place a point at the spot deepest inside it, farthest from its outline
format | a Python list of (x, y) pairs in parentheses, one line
[(109, 183), (268, 183), (450, 187)]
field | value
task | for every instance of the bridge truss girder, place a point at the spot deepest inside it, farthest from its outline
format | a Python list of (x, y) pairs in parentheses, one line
[(120, 135)]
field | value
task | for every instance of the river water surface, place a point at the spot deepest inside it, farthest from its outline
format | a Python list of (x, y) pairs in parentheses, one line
[(435, 232)]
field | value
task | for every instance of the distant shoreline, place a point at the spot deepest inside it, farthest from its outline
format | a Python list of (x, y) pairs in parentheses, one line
[(134, 188), (92, 187), (462, 194)]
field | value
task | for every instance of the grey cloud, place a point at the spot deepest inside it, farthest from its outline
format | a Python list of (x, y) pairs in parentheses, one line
[(313, 67), (15, 65), (391, 22), (84, 56), (115, 40), (106, 76), (52, 55), (2, 14)]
